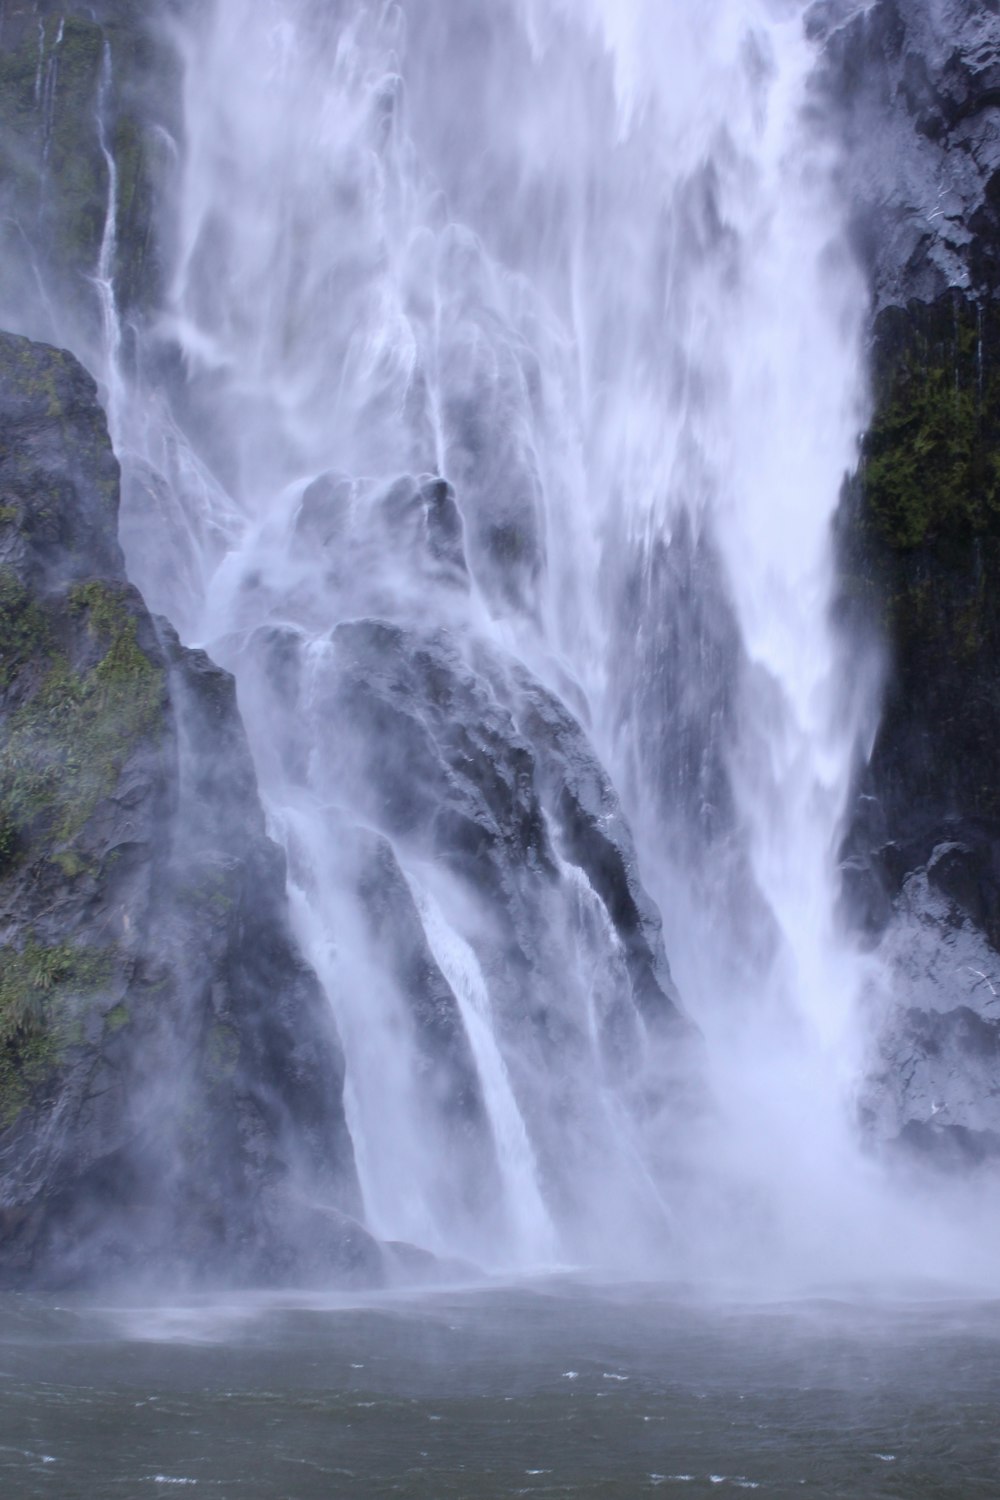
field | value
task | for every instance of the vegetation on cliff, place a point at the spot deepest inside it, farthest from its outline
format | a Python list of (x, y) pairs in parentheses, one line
[(77, 80), (143, 925), (82, 706), (44, 993), (920, 552), (931, 465)]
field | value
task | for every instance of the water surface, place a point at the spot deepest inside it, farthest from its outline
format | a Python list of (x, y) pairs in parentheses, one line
[(551, 1389)]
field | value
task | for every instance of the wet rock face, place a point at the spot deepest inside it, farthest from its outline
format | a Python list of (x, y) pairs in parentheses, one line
[(461, 757), (468, 816), (591, 833), (170, 1080), (673, 609), (920, 550), (933, 1086), (77, 80), (918, 89)]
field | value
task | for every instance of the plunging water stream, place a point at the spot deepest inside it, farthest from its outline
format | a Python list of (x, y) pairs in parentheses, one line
[(585, 263)]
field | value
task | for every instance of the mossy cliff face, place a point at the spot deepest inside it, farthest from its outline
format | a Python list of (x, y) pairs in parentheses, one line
[(77, 81), (921, 548), (918, 89), (170, 1083), (931, 466), (917, 92)]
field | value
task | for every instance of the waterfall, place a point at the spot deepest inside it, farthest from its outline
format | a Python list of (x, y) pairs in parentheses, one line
[(45, 83), (521, 352), (533, 1231), (104, 277)]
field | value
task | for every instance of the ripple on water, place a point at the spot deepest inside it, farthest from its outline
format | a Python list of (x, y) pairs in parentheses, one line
[(819, 1393), (38, 1458)]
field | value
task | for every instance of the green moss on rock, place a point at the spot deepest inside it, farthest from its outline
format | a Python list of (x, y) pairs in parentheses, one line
[(54, 177), (932, 454), (63, 748), (920, 549), (41, 991), (24, 633), (77, 188)]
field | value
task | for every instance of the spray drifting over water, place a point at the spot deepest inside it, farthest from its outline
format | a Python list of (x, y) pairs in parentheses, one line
[(583, 263)]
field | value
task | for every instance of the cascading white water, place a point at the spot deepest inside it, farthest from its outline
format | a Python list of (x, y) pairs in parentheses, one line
[(104, 279), (535, 1240), (584, 261)]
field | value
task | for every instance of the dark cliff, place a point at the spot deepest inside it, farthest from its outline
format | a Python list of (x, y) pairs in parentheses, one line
[(170, 1078), (917, 91)]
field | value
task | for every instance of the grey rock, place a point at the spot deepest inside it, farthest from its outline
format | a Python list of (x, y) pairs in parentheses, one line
[(465, 757), (170, 1075), (374, 536), (935, 1084), (918, 89), (394, 927), (592, 833), (470, 776)]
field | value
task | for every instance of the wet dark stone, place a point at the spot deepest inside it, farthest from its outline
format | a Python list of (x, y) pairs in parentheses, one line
[(170, 1076), (916, 88)]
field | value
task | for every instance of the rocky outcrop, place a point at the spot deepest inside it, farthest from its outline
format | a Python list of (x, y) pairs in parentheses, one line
[(449, 822), (918, 90), (917, 86), (170, 1077), (468, 879), (460, 755), (921, 548), (935, 1082)]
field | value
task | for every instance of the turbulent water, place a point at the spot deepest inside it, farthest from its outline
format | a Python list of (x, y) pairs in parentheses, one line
[(550, 1390)]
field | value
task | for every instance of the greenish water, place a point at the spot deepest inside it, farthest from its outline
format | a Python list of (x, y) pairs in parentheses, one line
[(551, 1389)]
